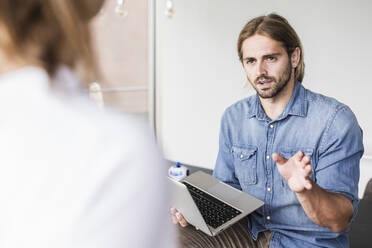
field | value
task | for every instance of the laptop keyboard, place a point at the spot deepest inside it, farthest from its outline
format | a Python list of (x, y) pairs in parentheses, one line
[(214, 211)]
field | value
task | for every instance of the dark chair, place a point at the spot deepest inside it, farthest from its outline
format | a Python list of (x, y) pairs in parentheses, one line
[(368, 192), (360, 233)]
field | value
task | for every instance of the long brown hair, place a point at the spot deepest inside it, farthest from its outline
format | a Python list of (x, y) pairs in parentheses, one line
[(276, 27), (51, 33)]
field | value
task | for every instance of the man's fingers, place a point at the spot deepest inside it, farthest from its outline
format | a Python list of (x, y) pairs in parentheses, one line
[(299, 155), (177, 217), (173, 211), (174, 219), (305, 160), (279, 159), (307, 170), (181, 220)]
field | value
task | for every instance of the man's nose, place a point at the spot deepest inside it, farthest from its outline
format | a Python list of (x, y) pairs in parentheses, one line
[(261, 68)]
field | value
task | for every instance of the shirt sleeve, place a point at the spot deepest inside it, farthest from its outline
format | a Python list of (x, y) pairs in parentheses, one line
[(340, 152), (224, 169)]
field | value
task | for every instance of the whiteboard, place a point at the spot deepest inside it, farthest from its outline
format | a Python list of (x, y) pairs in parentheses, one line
[(198, 74)]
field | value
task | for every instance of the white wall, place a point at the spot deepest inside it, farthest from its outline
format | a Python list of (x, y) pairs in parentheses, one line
[(198, 73)]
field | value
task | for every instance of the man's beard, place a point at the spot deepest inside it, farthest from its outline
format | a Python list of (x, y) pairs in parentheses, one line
[(277, 85)]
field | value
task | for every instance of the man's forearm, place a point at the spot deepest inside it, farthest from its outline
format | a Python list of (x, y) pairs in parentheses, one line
[(325, 208)]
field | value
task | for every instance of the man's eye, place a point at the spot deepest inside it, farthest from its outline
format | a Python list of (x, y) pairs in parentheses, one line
[(250, 61), (271, 58)]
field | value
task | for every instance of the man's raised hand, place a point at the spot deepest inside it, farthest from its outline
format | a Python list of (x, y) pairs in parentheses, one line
[(296, 170)]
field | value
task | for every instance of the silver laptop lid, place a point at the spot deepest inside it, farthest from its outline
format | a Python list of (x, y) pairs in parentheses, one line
[(224, 192), (183, 202)]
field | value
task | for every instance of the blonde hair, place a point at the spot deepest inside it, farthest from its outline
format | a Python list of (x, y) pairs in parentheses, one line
[(51, 33)]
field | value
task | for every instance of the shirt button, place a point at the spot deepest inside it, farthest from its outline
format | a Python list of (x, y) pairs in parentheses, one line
[(269, 189), (268, 217), (267, 157), (241, 156), (271, 126)]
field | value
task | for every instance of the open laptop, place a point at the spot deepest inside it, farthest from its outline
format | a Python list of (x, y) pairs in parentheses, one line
[(209, 204)]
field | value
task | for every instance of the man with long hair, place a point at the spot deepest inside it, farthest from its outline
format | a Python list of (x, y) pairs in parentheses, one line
[(296, 150)]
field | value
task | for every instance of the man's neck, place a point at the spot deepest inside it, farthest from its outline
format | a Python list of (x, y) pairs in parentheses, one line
[(274, 106)]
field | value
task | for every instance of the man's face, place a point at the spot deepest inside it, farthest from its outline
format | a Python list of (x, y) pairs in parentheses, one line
[(266, 64)]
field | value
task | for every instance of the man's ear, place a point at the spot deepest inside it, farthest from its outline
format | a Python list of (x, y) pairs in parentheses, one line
[(295, 57)]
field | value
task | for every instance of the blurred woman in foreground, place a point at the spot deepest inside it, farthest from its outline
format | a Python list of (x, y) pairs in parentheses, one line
[(70, 176)]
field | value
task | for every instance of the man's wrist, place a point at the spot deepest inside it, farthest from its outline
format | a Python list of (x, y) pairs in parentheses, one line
[(306, 191)]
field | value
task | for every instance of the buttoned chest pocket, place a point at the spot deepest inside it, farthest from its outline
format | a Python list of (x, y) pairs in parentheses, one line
[(287, 153), (245, 163)]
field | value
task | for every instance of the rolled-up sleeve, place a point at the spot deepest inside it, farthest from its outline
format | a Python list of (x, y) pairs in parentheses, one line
[(340, 152)]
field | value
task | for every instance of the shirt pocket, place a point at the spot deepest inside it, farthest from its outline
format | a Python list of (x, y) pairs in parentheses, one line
[(287, 153), (245, 163)]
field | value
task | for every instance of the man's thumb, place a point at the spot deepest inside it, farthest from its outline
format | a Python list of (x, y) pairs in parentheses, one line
[(279, 159)]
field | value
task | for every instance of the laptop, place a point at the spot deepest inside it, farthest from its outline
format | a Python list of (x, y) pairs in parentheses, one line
[(209, 204)]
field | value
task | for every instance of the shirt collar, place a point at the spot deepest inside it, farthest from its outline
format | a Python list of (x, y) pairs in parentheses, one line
[(297, 105)]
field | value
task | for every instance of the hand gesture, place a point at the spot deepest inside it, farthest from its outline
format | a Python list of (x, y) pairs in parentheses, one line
[(296, 170)]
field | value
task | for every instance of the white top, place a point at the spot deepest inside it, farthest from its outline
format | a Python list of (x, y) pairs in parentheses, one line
[(73, 176)]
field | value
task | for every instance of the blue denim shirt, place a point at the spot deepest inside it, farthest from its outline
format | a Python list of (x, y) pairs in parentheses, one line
[(322, 128)]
